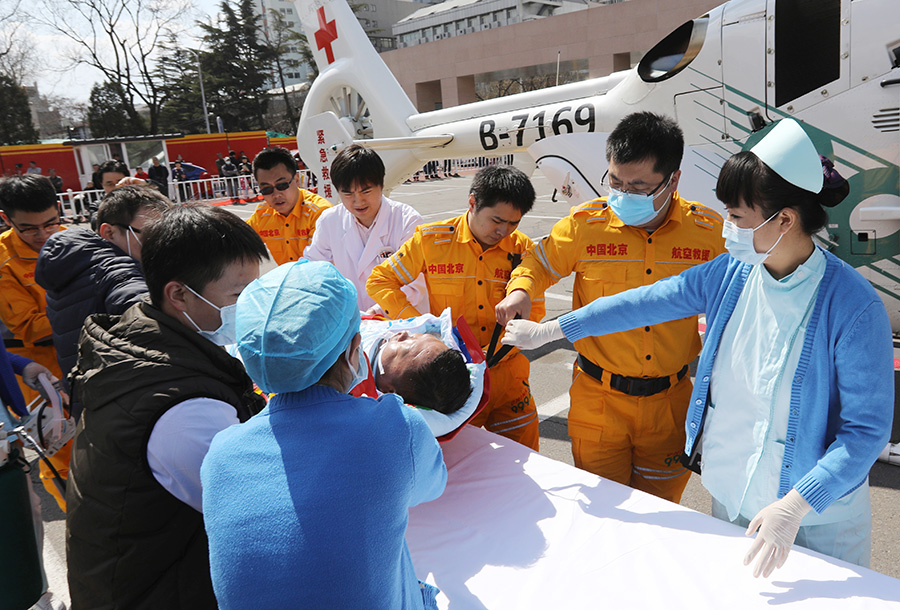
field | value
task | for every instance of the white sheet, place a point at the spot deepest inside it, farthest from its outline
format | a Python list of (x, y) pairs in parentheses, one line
[(517, 530)]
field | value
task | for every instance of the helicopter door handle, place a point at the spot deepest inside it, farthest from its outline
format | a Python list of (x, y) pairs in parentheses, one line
[(879, 213), (890, 81)]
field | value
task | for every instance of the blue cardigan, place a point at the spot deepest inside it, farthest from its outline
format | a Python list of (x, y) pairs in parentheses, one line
[(842, 396), (306, 504), (10, 394)]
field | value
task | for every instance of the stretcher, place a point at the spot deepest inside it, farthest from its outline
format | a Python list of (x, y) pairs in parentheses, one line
[(517, 530)]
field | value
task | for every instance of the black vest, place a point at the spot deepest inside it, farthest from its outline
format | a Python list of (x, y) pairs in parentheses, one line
[(130, 543)]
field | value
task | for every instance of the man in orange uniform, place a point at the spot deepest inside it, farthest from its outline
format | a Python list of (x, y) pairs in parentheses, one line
[(287, 220), (29, 206), (630, 390), (467, 262)]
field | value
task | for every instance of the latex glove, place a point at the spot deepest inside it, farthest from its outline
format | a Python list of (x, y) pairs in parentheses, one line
[(526, 334), (517, 302), (778, 524), (30, 377)]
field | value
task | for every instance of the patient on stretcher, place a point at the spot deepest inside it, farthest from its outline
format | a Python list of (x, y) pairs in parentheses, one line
[(426, 363), (423, 370)]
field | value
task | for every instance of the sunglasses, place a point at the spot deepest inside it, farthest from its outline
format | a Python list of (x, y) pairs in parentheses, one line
[(281, 186)]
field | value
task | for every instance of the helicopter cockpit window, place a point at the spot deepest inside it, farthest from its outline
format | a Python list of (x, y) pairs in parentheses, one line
[(807, 47), (674, 52)]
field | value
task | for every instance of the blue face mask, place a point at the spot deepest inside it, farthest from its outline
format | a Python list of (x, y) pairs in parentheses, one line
[(739, 242), (633, 208), (226, 334)]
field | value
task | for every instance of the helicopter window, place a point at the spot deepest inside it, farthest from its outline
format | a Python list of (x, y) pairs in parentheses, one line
[(807, 47), (674, 52)]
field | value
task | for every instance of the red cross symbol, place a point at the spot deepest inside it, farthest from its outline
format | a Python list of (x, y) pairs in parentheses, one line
[(326, 34)]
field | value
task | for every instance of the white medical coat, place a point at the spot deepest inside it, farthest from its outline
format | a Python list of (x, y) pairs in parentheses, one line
[(339, 240)]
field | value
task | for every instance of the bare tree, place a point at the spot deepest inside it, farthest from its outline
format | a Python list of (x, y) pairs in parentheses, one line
[(120, 38), (18, 59)]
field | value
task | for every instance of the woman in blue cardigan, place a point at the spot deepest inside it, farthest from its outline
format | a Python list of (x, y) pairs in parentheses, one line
[(794, 387)]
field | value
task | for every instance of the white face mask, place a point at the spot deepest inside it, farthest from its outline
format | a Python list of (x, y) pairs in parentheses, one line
[(739, 242), (362, 368), (137, 239), (226, 334)]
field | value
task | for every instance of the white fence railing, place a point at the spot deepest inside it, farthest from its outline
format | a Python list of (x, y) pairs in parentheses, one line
[(79, 204)]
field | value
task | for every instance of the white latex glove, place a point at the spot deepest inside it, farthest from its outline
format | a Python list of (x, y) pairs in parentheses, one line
[(30, 377), (526, 334), (778, 524)]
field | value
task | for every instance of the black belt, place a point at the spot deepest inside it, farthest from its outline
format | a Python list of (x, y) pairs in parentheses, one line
[(18, 343), (493, 357), (633, 386)]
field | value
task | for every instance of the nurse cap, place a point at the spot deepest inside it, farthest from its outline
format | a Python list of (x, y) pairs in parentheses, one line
[(789, 152)]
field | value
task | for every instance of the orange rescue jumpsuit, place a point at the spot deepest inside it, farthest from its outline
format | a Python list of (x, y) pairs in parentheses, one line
[(460, 275), (23, 312), (626, 437), (286, 237)]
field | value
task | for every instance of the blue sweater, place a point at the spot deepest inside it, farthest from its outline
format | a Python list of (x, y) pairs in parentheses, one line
[(842, 395), (306, 504), (10, 394)]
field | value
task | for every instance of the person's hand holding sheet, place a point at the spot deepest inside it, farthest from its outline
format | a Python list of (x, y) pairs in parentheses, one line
[(778, 524), (526, 334)]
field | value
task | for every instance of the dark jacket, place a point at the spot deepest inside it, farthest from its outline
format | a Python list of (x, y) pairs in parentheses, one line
[(130, 543), (84, 274)]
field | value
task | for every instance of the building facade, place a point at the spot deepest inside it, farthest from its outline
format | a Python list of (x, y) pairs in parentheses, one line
[(585, 44)]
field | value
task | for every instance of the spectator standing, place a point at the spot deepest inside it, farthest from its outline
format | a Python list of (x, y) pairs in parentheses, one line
[(96, 177), (179, 177), (140, 173), (158, 173), (55, 180), (33, 168)]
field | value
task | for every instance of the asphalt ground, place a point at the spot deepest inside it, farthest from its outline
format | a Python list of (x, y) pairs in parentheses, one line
[(551, 371)]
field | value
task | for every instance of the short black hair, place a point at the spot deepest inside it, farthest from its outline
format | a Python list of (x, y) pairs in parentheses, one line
[(442, 384), (645, 135), (193, 244), (502, 183), (357, 165), (275, 155), (744, 177), (28, 193), (113, 166), (120, 206)]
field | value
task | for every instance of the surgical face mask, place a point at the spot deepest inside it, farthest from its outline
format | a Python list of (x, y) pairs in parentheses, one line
[(226, 334), (362, 369), (739, 242), (634, 209)]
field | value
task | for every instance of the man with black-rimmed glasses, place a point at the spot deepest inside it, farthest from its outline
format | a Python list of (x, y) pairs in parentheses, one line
[(287, 219)]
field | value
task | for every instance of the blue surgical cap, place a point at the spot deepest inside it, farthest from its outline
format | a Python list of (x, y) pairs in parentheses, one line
[(293, 324)]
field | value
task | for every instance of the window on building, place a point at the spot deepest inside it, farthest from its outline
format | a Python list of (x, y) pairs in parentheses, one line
[(282, 10), (290, 11), (471, 22)]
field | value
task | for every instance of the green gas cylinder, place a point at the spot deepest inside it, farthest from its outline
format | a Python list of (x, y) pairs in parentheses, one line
[(21, 581)]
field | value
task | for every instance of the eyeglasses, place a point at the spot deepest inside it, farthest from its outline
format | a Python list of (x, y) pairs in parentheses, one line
[(51, 226), (281, 186), (604, 183)]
